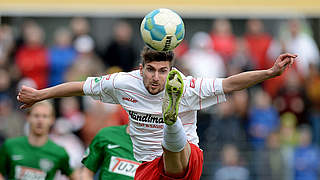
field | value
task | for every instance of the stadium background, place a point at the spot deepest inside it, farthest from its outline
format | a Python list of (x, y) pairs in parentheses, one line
[(265, 135)]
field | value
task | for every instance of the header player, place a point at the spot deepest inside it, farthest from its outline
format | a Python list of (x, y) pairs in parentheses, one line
[(35, 156), (167, 144)]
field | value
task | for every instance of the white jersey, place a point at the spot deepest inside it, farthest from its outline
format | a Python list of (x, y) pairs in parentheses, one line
[(145, 109)]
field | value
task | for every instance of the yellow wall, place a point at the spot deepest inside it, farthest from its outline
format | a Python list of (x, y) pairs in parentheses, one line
[(192, 7)]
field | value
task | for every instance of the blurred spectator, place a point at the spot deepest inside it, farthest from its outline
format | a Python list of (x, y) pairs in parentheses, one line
[(240, 101), (32, 57), (62, 135), (223, 40), (70, 111), (88, 63), (5, 84), (312, 85), (258, 43), (61, 56), (241, 59), (231, 166), (121, 52), (215, 136), (11, 121), (288, 139), (298, 42), (181, 50), (226, 119), (306, 157), (291, 98), (26, 24), (26, 82), (289, 136), (6, 44), (270, 161), (201, 60), (79, 27), (263, 119)]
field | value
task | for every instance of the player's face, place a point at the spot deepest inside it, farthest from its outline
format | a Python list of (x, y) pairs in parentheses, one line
[(40, 119), (154, 75)]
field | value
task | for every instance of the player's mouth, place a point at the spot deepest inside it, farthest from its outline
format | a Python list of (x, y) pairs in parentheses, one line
[(155, 85)]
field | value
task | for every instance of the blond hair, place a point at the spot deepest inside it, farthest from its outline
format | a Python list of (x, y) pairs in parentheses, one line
[(43, 103)]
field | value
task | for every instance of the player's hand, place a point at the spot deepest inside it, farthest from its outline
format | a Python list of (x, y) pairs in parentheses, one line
[(282, 62), (28, 96)]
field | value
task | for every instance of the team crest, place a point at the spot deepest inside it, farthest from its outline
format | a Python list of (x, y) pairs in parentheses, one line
[(45, 164)]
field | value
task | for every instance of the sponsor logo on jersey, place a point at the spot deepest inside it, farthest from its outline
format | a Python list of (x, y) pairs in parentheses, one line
[(129, 99), (26, 173), (112, 146), (150, 118), (17, 157), (123, 166), (45, 164), (193, 83), (97, 79), (108, 77)]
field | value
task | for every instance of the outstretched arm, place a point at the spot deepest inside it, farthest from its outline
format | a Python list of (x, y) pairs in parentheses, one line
[(246, 79), (28, 96)]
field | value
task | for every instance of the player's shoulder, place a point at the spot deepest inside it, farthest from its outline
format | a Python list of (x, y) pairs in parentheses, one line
[(52, 146), (107, 132), (128, 76), (126, 80), (15, 140)]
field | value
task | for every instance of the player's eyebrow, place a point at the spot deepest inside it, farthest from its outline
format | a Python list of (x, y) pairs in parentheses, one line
[(149, 66), (164, 68)]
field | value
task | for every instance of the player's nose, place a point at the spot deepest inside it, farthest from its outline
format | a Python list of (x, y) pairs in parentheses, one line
[(156, 76)]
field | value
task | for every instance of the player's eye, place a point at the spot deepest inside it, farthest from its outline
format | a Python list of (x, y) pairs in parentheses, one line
[(150, 69), (163, 70)]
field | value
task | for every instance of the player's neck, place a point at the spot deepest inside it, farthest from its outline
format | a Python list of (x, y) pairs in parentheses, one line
[(36, 140)]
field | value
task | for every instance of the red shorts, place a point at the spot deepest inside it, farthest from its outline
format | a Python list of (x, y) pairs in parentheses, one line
[(154, 170)]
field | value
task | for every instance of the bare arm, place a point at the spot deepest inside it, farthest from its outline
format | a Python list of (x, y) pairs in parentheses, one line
[(247, 79), (28, 96), (76, 175), (1, 177), (87, 174)]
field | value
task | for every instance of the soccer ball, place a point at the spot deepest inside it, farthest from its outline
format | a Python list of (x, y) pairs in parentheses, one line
[(162, 29)]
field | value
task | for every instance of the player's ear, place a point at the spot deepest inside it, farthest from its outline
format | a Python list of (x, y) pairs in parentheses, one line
[(141, 68)]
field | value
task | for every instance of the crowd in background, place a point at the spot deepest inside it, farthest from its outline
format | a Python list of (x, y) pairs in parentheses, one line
[(270, 131)]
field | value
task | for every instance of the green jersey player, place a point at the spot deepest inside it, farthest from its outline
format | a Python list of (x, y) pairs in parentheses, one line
[(110, 151), (35, 157)]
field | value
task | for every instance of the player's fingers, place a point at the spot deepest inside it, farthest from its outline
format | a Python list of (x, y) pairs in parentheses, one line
[(23, 106), (284, 62), (291, 61), (287, 55)]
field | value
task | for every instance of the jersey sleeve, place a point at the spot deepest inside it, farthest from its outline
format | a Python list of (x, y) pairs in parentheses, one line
[(202, 92), (101, 88), (3, 160), (65, 165), (94, 155)]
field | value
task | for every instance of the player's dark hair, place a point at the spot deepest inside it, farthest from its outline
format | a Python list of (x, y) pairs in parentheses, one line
[(149, 55)]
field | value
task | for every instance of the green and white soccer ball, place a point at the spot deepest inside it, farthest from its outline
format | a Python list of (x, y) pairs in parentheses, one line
[(162, 29)]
